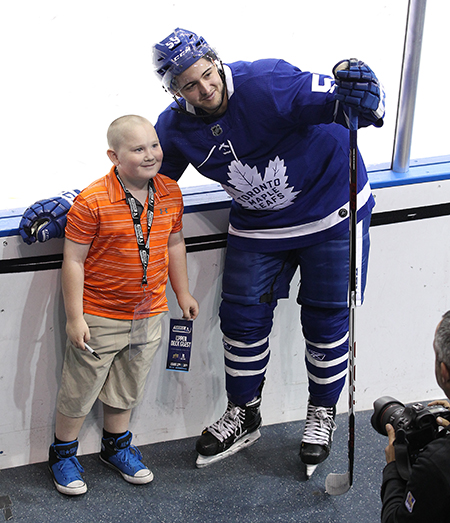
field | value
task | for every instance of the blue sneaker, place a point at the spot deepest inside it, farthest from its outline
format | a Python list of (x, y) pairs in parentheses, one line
[(120, 455), (66, 469)]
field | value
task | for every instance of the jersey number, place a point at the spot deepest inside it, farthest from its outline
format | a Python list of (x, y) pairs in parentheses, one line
[(321, 84)]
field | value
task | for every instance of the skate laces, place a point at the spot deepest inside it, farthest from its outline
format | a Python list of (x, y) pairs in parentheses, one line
[(230, 423), (319, 426)]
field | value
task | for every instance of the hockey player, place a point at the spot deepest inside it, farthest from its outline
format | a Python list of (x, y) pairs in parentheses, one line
[(276, 139)]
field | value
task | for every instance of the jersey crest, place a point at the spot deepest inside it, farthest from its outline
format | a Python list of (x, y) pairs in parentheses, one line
[(252, 191)]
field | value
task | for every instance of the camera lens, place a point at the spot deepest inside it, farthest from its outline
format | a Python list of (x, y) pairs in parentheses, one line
[(386, 410)]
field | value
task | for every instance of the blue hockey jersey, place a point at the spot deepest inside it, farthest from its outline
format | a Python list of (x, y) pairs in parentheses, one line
[(277, 151)]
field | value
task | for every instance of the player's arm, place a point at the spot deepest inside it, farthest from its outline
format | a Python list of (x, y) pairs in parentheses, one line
[(178, 276), (72, 280), (46, 219), (174, 163)]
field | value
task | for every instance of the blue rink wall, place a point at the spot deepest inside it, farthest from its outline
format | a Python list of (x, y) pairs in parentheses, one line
[(407, 292)]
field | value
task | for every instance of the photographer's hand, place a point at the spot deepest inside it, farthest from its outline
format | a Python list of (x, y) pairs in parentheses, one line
[(443, 422), (390, 449), (444, 403)]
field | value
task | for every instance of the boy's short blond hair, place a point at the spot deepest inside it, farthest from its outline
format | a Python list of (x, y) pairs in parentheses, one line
[(120, 126)]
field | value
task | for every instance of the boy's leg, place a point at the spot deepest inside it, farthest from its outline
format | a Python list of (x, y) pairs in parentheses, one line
[(63, 463), (125, 384), (115, 421), (117, 451), (67, 429), (82, 378), (122, 391)]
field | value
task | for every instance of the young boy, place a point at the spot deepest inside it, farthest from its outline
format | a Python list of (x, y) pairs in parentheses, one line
[(114, 277)]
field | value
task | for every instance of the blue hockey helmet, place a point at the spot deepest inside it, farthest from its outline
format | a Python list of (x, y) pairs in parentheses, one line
[(176, 53)]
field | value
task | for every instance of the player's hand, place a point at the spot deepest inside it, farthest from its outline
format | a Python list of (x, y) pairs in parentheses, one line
[(356, 86), (46, 219), (390, 449)]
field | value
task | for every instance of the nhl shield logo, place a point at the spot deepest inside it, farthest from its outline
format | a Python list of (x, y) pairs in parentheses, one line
[(216, 130)]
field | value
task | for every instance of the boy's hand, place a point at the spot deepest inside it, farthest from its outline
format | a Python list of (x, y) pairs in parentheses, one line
[(189, 306), (78, 332)]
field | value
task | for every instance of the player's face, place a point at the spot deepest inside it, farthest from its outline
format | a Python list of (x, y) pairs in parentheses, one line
[(202, 86), (139, 156)]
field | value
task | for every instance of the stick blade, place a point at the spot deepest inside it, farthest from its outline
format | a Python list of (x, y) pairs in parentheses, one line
[(338, 484)]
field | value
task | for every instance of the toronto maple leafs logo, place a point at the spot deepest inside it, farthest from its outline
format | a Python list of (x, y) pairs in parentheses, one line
[(253, 192)]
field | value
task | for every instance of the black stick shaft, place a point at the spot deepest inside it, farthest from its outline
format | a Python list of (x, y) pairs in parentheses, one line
[(353, 277)]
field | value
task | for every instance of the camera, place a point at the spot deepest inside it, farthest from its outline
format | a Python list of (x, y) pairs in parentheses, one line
[(414, 425)]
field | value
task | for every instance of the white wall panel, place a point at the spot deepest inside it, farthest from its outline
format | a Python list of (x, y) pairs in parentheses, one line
[(407, 292)]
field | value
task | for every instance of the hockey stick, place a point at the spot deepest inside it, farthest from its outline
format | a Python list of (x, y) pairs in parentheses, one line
[(337, 484)]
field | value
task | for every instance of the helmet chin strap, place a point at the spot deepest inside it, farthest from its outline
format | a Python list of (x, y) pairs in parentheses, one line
[(182, 109)]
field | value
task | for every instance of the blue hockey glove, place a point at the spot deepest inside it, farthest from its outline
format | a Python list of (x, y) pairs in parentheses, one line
[(357, 87), (46, 219)]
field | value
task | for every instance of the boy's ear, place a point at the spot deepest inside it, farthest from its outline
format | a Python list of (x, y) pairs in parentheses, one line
[(113, 157)]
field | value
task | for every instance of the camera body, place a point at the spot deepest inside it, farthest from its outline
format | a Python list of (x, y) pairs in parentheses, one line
[(414, 425)]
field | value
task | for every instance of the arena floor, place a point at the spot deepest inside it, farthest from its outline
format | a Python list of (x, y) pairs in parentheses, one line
[(264, 483)]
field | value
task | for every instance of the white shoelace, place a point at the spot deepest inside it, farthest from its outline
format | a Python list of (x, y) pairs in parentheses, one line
[(230, 423), (319, 426)]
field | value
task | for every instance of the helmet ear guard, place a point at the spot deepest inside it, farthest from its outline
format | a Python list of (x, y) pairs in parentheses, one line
[(176, 53)]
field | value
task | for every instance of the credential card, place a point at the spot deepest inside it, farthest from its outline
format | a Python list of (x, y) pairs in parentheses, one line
[(180, 342)]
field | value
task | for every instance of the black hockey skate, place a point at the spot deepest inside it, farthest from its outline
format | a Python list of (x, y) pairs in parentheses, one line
[(236, 429), (317, 436)]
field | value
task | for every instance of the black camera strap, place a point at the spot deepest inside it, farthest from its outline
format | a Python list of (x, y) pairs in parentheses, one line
[(402, 459), (143, 246)]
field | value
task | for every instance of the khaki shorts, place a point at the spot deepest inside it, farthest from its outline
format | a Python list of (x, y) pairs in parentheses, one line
[(115, 380)]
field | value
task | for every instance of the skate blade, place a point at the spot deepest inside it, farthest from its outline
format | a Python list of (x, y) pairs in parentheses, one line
[(310, 470), (246, 441)]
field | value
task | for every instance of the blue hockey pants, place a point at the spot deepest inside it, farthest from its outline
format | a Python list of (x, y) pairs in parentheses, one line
[(252, 285)]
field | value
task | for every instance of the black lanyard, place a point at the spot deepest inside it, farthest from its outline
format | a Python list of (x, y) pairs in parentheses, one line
[(143, 246)]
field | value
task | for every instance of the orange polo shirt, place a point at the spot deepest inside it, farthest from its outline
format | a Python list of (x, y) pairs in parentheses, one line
[(100, 216)]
